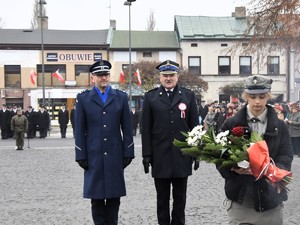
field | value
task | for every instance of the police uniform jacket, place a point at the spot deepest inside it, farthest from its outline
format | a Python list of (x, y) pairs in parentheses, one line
[(63, 118), (103, 137), (162, 121), (277, 138)]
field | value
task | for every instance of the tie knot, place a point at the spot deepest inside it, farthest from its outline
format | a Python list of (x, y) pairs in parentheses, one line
[(254, 120)]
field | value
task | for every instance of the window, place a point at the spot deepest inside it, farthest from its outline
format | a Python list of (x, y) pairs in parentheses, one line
[(82, 75), (147, 54), (193, 45), (49, 79), (273, 65), (224, 45), (12, 76), (195, 65), (224, 65), (245, 65)]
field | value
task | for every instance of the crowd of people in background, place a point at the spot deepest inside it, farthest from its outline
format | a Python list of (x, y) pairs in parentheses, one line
[(214, 114), (38, 121)]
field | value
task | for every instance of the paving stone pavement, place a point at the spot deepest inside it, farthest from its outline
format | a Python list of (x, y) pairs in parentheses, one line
[(42, 185)]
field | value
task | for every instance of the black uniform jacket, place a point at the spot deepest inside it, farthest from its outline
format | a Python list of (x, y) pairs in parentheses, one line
[(280, 150), (162, 121)]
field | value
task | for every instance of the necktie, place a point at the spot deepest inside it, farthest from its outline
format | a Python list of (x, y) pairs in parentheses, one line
[(170, 94)]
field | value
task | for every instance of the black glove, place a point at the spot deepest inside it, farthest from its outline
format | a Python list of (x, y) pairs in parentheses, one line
[(196, 164), (126, 162), (146, 163), (83, 164)]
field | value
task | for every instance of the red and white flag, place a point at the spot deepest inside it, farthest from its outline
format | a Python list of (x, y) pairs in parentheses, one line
[(32, 76), (57, 75), (122, 77), (137, 74)]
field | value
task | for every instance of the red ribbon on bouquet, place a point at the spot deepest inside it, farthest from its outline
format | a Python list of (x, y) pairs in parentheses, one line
[(261, 164)]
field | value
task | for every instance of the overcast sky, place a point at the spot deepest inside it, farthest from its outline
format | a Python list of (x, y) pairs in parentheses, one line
[(95, 14)]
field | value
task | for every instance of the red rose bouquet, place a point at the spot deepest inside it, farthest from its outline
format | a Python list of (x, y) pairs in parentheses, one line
[(236, 148)]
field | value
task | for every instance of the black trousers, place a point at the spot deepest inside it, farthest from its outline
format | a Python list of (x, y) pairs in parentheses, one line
[(163, 190), (105, 211)]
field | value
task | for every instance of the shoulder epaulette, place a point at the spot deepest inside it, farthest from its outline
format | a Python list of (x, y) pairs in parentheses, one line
[(185, 88), (154, 89), (84, 91)]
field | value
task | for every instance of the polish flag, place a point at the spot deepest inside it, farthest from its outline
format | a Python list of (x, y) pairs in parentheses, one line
[(32, 76), (122, 77), (58, 76), (137, 74)]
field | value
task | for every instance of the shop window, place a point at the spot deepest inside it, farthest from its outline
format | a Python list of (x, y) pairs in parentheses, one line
[(12, 76), (82, 75), (50, 80)]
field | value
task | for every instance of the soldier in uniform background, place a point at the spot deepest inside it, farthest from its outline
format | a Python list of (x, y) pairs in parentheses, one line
[(103, 143), (19, 125), (168, 110), (63, 120), (5, 118)]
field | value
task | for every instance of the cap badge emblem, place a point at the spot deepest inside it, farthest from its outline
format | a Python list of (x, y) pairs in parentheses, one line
[(255, 81)]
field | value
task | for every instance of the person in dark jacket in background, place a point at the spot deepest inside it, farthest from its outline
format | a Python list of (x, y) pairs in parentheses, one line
[(252, 201), (168, 110), (63, 120), (72, 118), (43, 122), (134, 120), (103, 144), (32, 121), (5, 118)]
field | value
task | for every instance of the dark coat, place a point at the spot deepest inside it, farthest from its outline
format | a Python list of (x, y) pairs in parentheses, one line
[(103, 136), (161, 123), (72, 117), (43, 120), (5, 118), (280, 150), (32, 119), (63, 118)]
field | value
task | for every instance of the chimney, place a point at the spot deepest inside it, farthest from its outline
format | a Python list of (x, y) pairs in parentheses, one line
[(240, 12), (44, 24), (113, 24)]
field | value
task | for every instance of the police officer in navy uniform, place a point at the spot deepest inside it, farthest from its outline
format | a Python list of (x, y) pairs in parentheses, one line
[(103, 143), (168, 110)]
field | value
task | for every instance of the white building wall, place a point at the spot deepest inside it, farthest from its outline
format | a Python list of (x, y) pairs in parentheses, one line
[(209, 51)]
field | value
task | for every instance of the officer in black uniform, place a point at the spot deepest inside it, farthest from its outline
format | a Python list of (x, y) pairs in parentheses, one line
[(168, 110)]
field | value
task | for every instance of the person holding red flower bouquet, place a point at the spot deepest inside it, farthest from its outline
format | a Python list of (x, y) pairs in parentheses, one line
[(252, 199)]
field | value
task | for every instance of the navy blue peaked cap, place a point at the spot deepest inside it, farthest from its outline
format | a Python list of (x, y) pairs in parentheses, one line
[(168, 67), (101, 67)]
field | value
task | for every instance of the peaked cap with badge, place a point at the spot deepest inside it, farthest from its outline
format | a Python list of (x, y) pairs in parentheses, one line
[(168, 67), (257, 84), (101, 67)]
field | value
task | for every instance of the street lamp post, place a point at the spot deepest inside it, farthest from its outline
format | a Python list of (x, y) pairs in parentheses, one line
[(42, 2), (129, 2)]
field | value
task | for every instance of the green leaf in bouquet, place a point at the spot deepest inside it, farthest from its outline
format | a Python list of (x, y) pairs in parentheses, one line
[(184, 134), (192, 151), (255, 137), (180, 143)]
